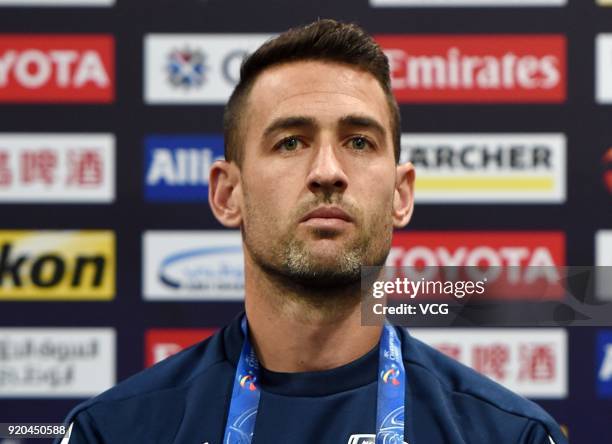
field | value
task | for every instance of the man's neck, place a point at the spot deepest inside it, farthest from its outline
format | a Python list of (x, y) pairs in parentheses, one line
[(298, 333)]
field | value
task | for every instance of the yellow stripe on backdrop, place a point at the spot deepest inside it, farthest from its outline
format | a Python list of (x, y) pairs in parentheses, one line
[(511, 183)]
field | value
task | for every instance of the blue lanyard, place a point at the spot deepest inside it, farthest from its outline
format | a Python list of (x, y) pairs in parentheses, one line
[(389, 406)]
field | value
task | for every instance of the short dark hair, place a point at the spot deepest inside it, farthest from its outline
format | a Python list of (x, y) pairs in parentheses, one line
[(327, 40)]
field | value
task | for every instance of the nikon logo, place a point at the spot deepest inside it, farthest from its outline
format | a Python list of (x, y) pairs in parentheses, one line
[(48, 270), (57, 265)]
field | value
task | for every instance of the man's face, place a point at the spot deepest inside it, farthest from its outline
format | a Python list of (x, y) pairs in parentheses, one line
[(318, 174)]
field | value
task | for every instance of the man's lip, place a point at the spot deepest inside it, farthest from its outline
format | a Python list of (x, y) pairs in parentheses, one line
[(327, 213)]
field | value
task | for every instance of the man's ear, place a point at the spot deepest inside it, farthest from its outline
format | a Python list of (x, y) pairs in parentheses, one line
[(403, 199), (225, 193)]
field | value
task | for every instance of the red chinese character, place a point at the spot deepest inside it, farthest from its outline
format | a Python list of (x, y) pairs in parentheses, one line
[(38, 166), (5, 172), (491, 360), (84, 168), (451, 350), (537, 362)]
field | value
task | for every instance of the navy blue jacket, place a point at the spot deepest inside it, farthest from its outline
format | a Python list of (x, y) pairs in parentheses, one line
[(185, 399)]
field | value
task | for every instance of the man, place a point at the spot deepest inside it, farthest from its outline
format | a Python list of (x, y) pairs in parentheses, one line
[(311, 178)]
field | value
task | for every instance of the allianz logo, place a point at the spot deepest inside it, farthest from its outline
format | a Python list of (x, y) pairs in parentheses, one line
[(180, 166)]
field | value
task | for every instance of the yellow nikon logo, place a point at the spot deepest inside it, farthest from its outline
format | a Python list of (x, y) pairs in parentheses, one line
[(57, 265), (604, 2)]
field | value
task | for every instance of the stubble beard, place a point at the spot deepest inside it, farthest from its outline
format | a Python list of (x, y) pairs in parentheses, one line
[(292, 263)]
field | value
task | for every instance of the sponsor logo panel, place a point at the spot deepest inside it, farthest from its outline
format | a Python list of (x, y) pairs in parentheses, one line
[(470, 68), (57, 265), (487, 168), (519, 264), (457, 3), (604, 364), (195, 68), (57, 68), (47, 168), (177, 167), (193, 265), (603, 68), (45, 3), (163, 343), (530, 362), (603, 262), (56, 362), (471, 248)]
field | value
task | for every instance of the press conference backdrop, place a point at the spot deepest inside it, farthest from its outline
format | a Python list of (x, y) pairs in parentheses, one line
[(111, 115)]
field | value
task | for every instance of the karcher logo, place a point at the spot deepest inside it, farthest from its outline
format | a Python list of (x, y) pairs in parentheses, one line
[(57, 265), (487, 167)]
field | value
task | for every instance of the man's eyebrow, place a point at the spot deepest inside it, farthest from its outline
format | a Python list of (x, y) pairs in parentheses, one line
[(363, 122), (351, 120), (283, 123)]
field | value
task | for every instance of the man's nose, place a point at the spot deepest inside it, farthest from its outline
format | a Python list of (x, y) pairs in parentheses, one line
[(326, 173)]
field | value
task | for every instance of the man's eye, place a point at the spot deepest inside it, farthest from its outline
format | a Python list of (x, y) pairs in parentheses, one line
[(360, 143), (289, 144)]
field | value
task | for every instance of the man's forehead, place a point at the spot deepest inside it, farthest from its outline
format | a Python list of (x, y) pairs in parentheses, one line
[(311, 72), (316, 88)]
